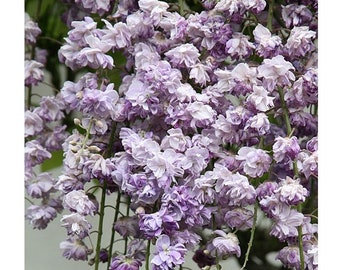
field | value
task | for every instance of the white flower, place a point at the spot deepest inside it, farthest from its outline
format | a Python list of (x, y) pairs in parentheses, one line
[(78, 201), (185, 54), (260, 99), (276, 71)]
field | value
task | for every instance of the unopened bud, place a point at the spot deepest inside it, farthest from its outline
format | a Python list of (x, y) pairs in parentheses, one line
[(79, 95), (74, 149), (76, 121), (140, 210), (99, 123), (94, 148)]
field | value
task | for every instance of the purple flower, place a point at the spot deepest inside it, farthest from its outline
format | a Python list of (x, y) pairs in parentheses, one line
[(180, 203), (312, 144), (267, 45), (40, 215), (305, 123), (74, 249), (32, 30), (167, 256), (151, 224), (266, 189), (258, 124), (237, 191), (299, 42), (176, 140), (141, 97), (225, 130), (118, 35), (243, 79), (76, 225), (286, 222), (236, 9), (239, 47), (285, 149), (224, 244), (199, 72), (239, 218), (33, 72), (95, 6), (40, 186), (80, 29), (78, 201), (127, 226), (54, 139), (304, 90), (122, 262), (188, 238), (68, 54), (35, 153), (185, 55), (84, 47), (259, 99), (136, 249), (254, 162), (143, 188), (94, 55), (195, 160), (296, 15), (67, 183), (33, 123), (311, 256), (166, 163), (51, 108), (203, 189), (98, 166), (72, 93), (291, 192), (309, 164), (290, 257), (276, 72), (154, 224), (41, 55), (256, 6), (154, 8)]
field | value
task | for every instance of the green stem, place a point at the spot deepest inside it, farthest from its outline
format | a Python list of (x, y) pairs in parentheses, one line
[(29, 97), (296, 173), (181, 7), (113, 231), (270, 15), (285, 111), (111, 141), (252, 233), (147, 255), (287, 122), (100, 226), (127, 214), (87, 135), (27, 199), (302, 257)]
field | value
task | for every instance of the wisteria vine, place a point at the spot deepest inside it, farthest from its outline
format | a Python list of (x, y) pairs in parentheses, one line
[(195, 118)]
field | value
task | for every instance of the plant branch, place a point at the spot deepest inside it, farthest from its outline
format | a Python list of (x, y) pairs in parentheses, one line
[(252, 233)]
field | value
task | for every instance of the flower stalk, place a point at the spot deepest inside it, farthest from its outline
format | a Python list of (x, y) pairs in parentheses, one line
[(252, 234), (100, 226), (296, 173)]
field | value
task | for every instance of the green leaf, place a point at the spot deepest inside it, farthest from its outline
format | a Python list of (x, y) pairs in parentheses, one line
[(54, 162)]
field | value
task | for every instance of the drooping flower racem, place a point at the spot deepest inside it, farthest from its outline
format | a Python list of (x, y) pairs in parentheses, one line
[(176, 119)]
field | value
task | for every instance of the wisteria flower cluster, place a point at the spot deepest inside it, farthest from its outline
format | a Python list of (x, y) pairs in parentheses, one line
[(198, 118)]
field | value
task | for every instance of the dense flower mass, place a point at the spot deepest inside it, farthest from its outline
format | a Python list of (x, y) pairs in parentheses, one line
[(194, 122)]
